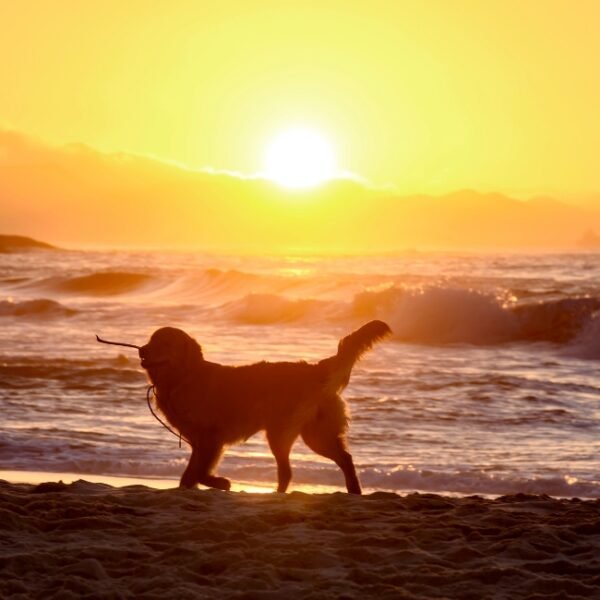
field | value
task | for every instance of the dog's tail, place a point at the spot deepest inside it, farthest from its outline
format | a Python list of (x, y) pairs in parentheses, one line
[(350, 349)]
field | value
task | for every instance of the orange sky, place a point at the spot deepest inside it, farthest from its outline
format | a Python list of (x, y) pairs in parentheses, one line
[(429, 96), (112, 115), (78, 196)]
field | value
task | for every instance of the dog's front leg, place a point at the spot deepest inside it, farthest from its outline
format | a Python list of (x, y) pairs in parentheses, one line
[(205, 457)]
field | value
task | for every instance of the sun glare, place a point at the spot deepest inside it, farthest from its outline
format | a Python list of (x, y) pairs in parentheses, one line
[(299, 158)]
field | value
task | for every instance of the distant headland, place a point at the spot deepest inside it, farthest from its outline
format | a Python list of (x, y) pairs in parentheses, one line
[(19, 243)]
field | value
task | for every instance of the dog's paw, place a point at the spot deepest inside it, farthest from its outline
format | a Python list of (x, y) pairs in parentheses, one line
[(222, 483), (187, 485), (219, 483)]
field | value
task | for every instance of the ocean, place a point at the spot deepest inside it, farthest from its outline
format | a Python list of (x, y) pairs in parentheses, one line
[(489, 385)]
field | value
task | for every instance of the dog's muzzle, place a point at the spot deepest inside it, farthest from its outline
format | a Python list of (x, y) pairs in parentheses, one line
[(148, 362)]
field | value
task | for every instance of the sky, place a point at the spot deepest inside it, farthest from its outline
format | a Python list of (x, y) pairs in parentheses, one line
[(426, 97), (262, 125), (76, 196)]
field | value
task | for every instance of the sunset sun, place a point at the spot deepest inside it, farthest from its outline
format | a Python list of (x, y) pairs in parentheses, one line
[(299, 158)]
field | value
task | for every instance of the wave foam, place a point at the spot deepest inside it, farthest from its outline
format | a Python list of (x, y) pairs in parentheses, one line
[(123, 456), (398, 480), (478, 482), (586, 343)]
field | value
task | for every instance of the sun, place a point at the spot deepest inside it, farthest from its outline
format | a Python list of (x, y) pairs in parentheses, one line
[(299, 158)]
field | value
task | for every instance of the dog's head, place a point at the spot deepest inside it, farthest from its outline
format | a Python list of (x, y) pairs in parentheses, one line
[(170, 351)]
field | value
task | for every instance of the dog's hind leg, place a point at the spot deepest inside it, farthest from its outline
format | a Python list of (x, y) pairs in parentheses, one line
[(205, 457), (326, 435), (334, 446), (281, 445)]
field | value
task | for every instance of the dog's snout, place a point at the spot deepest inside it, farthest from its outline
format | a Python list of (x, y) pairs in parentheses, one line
[(142, 352)]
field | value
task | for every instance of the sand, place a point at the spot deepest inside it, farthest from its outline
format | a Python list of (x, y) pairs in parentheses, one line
[(93, 540)]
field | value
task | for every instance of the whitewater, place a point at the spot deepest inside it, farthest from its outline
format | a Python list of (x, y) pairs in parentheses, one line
[(489, 385)]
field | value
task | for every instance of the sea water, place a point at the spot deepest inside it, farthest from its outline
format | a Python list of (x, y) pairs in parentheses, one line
[(489, 385)]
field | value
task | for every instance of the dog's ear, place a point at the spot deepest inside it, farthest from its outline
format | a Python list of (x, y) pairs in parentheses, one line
[(193, 353)]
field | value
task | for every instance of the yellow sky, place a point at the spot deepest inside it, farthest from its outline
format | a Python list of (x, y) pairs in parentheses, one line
[(430, 96)]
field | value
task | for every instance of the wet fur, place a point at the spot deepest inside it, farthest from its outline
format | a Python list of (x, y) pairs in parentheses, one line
[(214, 405)]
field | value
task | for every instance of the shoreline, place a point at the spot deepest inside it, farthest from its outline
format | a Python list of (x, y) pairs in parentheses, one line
[(119, 481), (259, 487), (93, 539)]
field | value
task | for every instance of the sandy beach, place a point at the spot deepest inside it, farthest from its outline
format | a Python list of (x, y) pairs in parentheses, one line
[(92, 540)]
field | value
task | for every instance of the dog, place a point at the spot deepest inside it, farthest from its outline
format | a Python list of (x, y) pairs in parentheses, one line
[(214, 406)]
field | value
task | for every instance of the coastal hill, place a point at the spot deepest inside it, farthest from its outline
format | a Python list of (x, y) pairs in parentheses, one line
[(19, 243), (85, 196)]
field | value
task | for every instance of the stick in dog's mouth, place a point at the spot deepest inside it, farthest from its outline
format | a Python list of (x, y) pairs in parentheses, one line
[(116, 343)]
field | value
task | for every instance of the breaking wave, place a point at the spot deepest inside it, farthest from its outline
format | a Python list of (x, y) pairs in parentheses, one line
[(428, 314), (437, 315), (42, 307), (104, 283), (446, 315), (263, 309)]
